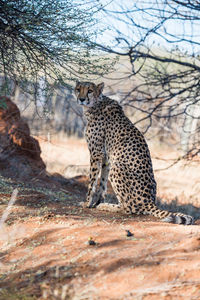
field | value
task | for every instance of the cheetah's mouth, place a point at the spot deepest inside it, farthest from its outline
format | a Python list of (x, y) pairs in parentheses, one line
[(86, 102)]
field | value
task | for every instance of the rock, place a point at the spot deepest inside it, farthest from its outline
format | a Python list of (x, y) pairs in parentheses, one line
[(19, 152)]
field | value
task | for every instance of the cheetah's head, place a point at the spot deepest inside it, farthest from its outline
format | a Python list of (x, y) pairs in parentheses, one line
[(88, 93)]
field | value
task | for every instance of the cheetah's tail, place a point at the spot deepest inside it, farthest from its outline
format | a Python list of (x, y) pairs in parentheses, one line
[(166, 216)]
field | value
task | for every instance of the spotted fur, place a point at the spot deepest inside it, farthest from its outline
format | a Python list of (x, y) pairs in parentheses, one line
[(118, 149)]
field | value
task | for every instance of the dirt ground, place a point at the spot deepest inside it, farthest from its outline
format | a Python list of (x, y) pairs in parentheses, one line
[(45, 250)]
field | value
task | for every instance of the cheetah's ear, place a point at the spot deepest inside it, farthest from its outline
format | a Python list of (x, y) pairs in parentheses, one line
[(77, 82), (100, 87)]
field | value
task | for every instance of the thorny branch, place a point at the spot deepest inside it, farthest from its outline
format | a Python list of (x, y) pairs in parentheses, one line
[(165, 64)]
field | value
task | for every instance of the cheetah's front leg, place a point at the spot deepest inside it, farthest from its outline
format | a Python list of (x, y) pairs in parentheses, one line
[(94, 173), (103, 182)]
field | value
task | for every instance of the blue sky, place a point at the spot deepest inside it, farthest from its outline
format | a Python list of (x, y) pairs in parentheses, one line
[(146, 13)]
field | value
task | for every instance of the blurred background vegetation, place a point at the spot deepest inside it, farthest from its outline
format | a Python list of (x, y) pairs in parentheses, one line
[(147, 53)]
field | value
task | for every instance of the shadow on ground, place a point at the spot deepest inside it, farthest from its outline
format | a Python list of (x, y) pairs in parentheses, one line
[(35, 264), (52, 195)]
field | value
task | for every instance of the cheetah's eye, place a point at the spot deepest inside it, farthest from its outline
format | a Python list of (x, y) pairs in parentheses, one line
[(90, 91), (78, 90)]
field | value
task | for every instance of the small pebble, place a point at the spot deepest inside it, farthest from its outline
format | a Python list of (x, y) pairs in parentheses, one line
[(128, 233), (91, 242)]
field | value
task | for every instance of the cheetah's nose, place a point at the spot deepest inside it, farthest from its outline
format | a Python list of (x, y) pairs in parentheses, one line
[(82, 99)]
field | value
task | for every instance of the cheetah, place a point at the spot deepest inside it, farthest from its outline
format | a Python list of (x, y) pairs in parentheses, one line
[(118, 150)]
